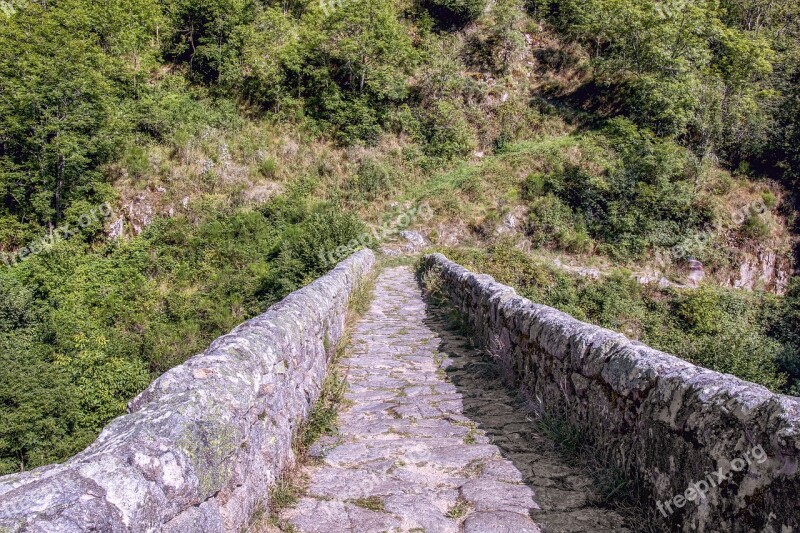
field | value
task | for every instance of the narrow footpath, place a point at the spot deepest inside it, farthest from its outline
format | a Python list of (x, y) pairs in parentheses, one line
[(430, 441)]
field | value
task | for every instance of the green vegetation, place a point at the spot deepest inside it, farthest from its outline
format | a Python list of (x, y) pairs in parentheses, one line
[(237, 139), (459, 509), (373, 503), (84, 330), (285, 493), (736, 332), (715, 74)]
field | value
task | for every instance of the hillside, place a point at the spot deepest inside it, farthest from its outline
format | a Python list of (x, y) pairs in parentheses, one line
[(169, 169)]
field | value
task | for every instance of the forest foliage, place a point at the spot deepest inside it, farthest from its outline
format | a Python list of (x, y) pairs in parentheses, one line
[(87, 88)]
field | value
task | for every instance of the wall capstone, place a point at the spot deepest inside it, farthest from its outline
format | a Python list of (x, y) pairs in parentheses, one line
[(667, 422), (199, 449)]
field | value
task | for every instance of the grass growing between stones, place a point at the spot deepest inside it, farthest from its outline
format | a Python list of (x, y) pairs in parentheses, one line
[(360, 299), (459, 509), (323, 418), (618, 491), (373, 503), (286, 492)]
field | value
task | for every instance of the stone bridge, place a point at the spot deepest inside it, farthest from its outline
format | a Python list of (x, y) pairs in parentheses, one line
[(436, 433)]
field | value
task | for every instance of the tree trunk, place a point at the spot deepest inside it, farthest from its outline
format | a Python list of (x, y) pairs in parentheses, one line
[(59, 186)]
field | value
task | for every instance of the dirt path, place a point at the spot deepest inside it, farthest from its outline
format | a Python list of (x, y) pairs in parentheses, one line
[(429, 443)]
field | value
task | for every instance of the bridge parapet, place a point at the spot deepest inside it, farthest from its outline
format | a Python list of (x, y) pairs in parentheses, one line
[(199, 448), (714, 452)]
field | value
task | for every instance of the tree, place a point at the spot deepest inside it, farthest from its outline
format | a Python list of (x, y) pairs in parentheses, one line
[(203, 34), (271, 50), (357, 63), (60, 116)]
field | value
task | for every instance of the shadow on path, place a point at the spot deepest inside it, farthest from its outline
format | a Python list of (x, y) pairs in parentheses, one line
[(566, 494)]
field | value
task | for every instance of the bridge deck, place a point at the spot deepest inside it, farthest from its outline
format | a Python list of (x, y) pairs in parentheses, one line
[(431, 441)]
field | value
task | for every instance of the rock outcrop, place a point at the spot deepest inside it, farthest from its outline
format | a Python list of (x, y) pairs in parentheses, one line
[(201, 447)]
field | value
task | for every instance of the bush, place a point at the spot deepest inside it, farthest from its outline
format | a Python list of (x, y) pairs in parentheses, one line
[(552, 223), (769, 199), (449, 134), (16, 305), (738, 349), (101, 383), (754, 227), (783, 320), (454, 13), (373, 179), (268, 168), (630, 189), (700, 310), (534, 186)]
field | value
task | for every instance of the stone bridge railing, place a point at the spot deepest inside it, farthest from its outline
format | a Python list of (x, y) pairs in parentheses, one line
[(201, 447), (713, 452)]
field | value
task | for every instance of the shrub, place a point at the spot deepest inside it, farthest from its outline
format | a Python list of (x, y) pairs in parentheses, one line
[(700, 310), (783, 320), (769, 199), (630, 189), (454, 13), (102, 383), (738, 349), (311, 247), (754, 227), (550, 222), (268, 168), (373, 179), (534, 186), (355, 119), (449, 134)]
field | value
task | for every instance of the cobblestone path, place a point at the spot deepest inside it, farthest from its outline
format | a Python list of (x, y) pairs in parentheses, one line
[(429, 441)]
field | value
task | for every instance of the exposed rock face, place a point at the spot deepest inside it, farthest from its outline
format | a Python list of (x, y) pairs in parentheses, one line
[(117, 228), (765, 269), (415, 238), (201, 446), (696, 272), (671, 424)]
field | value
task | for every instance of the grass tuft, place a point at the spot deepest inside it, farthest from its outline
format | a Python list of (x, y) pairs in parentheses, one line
[(459, 510), (372, 503)]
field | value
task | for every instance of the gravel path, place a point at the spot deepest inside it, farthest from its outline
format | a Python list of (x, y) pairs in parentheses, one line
[(430, 443)]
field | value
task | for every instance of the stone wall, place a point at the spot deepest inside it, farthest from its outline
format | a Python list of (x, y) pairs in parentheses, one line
[(201, 447), (681, 430)]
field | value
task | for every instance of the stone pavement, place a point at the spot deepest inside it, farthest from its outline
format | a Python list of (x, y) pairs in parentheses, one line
[(430, 441)]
